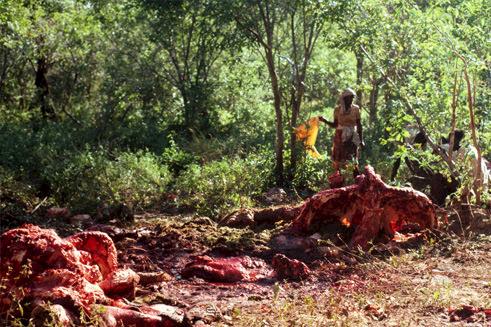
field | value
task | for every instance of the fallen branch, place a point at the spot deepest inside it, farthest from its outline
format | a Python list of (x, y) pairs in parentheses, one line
[(39, 205)]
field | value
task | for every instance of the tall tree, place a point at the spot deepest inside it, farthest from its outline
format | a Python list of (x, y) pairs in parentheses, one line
[(259, 21), (193, 37), (361, 33), (307, 18), (48, 49)]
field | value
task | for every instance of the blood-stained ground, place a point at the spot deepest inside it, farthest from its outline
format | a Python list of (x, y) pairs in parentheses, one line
[(183, 267)]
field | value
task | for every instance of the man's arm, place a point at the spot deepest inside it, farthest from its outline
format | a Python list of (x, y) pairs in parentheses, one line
[(329, 123)]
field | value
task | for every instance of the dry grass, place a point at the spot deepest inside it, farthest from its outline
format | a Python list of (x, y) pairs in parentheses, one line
[(408, 285), (414, 288)]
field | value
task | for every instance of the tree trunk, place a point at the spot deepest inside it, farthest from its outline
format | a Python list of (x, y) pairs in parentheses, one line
[(196, 116), (42, 85), (454, 118), (309, 34), (373, 102), (296, 103), (280, 139), (268, 21), (359, 77), (478, 182)]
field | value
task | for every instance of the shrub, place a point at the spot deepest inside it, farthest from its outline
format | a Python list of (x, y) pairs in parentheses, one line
[(220, 186), (16, 197), (16, 144), (176, 158), (311, 174), (90, 177), (137, 178)]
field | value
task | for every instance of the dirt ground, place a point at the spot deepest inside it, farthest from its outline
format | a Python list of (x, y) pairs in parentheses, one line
[(415, 282)]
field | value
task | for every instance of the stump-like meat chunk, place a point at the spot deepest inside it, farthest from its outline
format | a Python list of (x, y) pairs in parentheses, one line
[(369, 206)]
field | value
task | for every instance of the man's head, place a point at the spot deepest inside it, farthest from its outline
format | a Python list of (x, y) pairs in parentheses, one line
[(346, 99)]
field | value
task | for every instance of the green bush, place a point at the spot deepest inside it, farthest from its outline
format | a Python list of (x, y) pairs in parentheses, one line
[(90, 177), (16, 144), (16, 196), (311, 174), (176, 158), (220, 186), (137, 178)]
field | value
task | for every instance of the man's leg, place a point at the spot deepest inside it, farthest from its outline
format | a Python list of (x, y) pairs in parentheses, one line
[(335, 165), (356, 171), (336, 180)]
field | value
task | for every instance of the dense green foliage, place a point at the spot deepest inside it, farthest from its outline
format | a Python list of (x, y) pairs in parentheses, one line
[(221, 185), (130, 101)]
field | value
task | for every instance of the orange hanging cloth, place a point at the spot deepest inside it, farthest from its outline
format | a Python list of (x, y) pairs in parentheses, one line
[(307, 133)]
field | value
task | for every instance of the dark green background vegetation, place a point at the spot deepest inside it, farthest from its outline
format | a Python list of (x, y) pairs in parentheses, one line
[(191, 103)]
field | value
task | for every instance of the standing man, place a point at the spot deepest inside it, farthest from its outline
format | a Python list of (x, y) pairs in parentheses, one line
[(348, 138)]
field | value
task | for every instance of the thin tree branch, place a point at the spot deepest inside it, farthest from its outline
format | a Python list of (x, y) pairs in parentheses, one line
[(413, 113), (454, 116)]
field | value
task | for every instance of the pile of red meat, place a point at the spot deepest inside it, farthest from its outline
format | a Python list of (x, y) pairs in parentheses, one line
[(50, 276), (63, 277), (228, 270), (370, 207)]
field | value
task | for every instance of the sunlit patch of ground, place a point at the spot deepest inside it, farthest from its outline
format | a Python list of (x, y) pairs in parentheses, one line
[(410, 289), (412, 283), (403, 285)]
